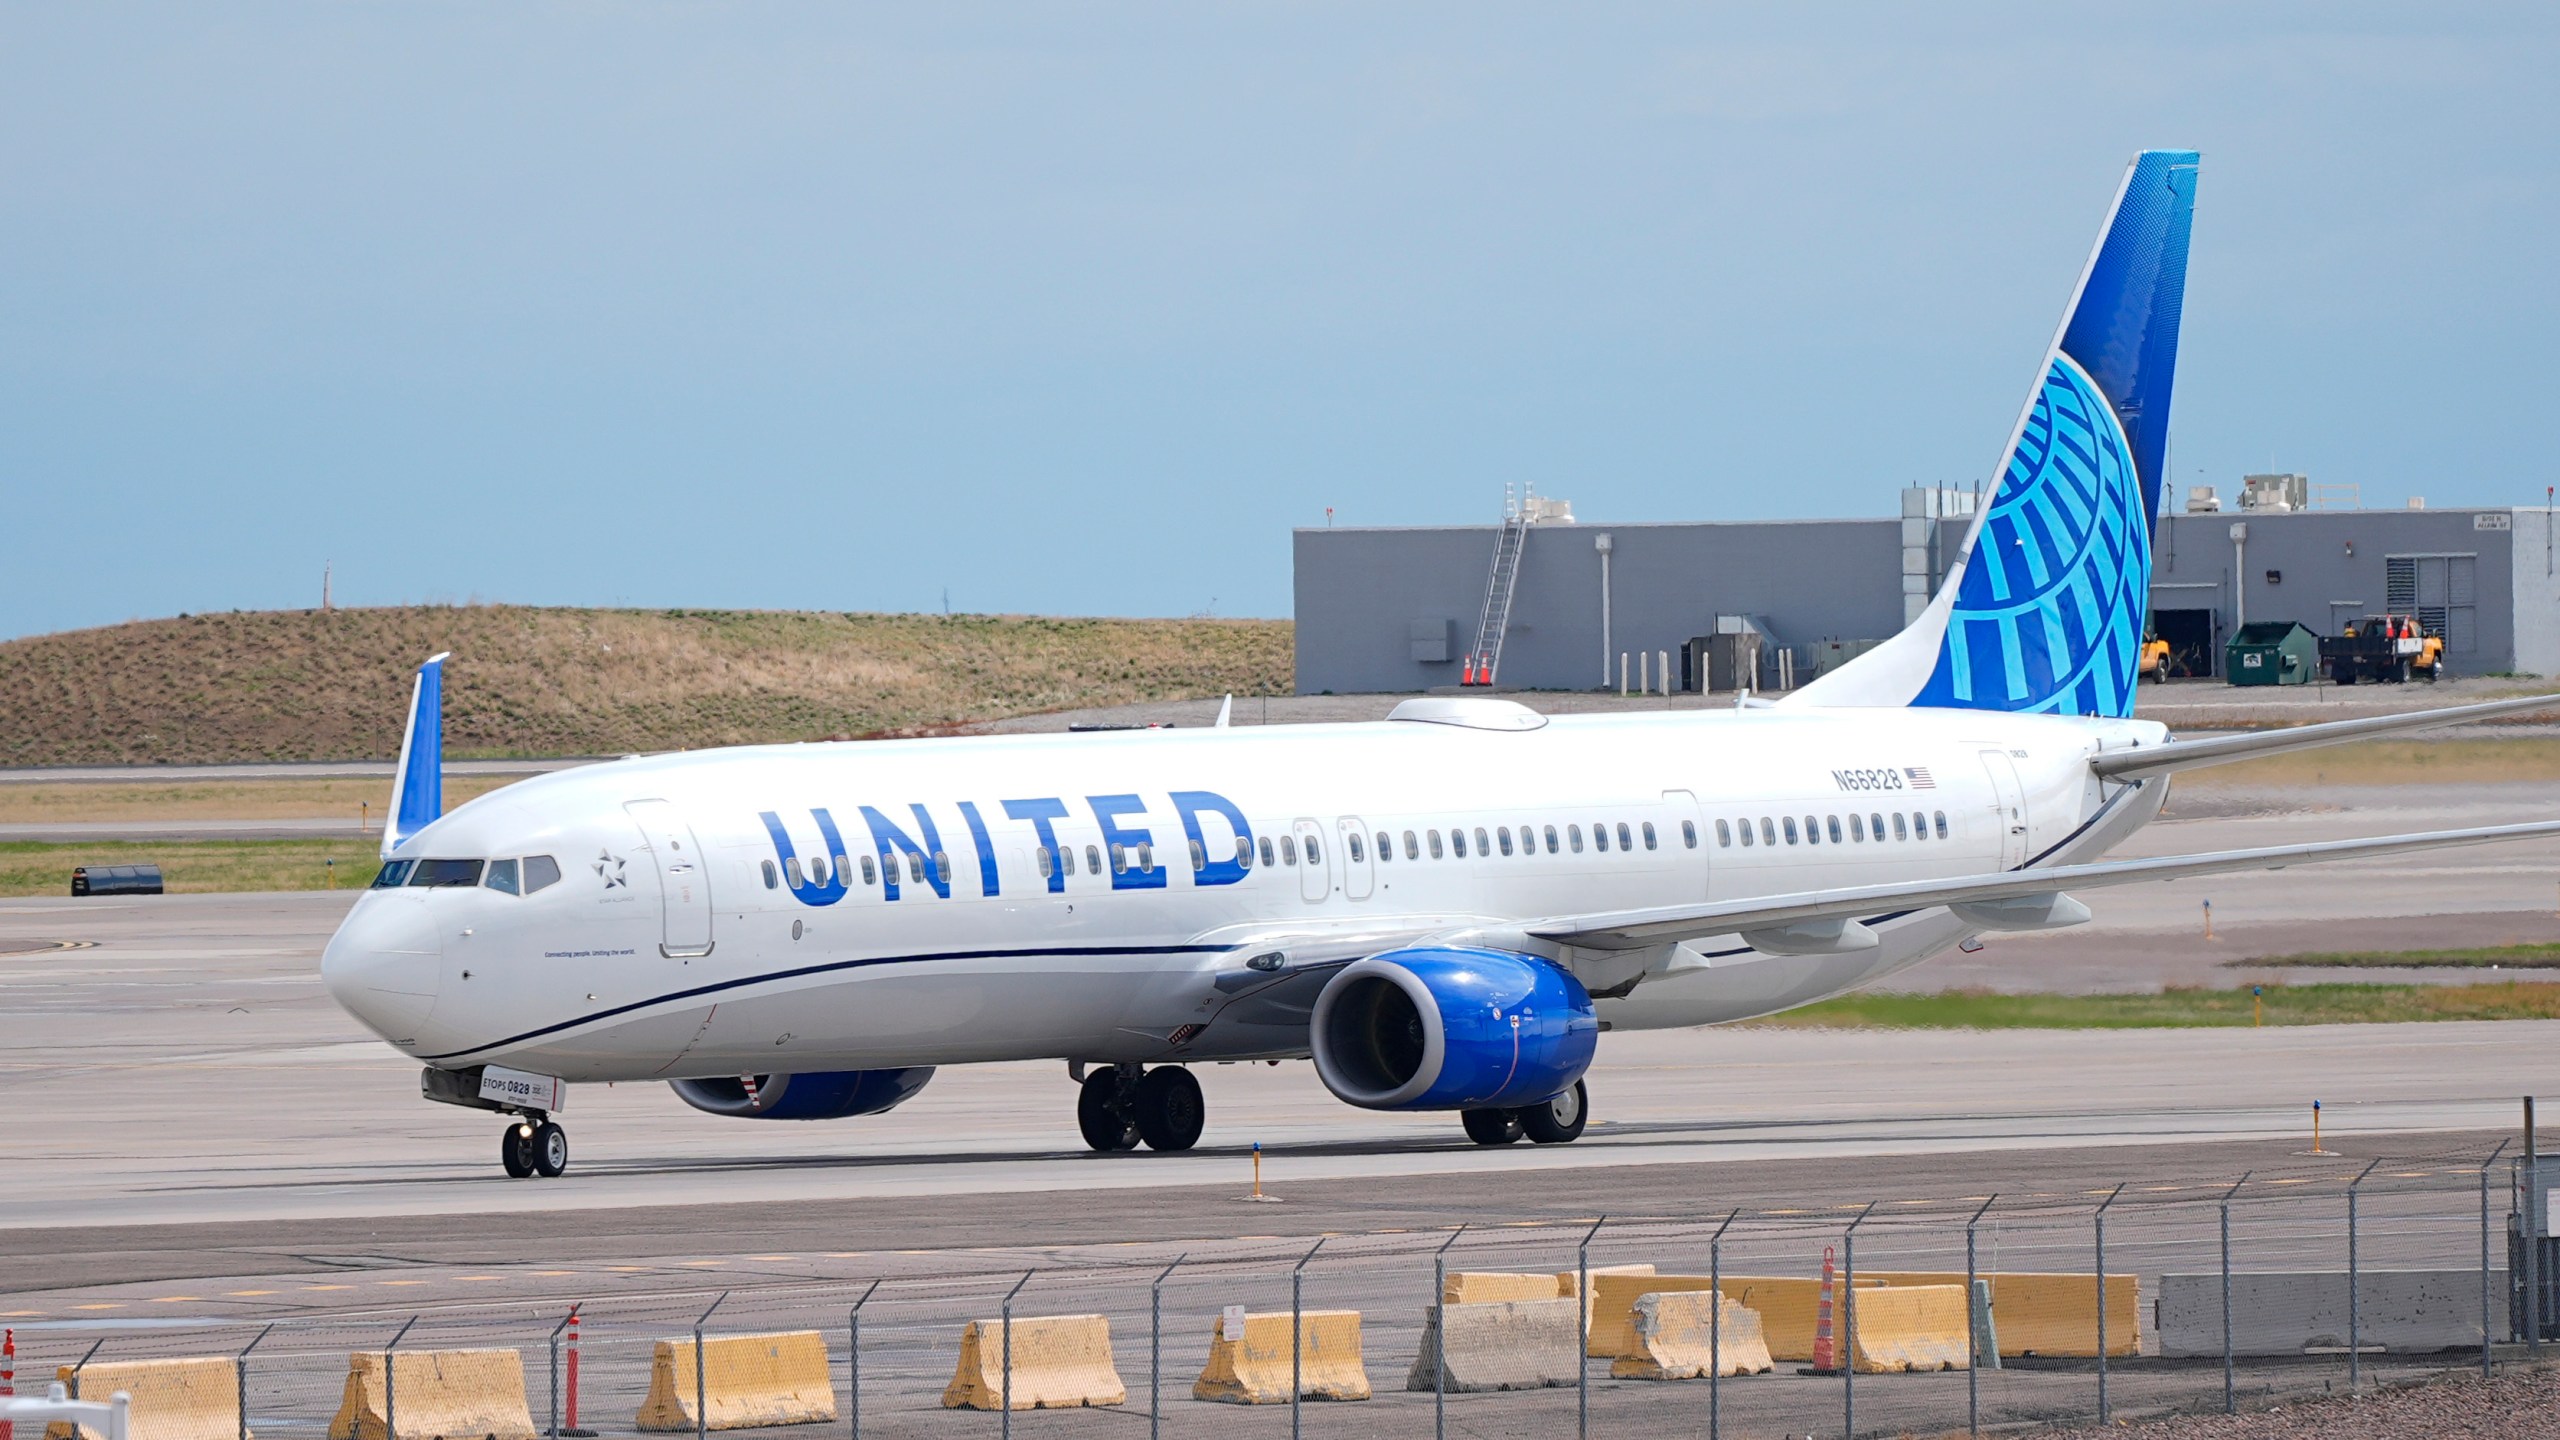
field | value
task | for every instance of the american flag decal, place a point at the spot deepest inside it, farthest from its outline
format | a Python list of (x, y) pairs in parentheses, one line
[(1921, 779)]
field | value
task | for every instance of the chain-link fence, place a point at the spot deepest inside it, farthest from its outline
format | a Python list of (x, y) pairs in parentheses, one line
[(2328, 1277)]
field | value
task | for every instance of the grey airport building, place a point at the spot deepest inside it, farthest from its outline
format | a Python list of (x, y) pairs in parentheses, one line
[(1550, 604)]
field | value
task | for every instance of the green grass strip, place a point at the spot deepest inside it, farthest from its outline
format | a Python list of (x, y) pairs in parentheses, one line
[(196, 867), (2285, 1005), (2513, 957)]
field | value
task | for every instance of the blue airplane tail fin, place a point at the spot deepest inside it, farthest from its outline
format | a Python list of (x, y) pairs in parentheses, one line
[(417, 786), (2043, 610)]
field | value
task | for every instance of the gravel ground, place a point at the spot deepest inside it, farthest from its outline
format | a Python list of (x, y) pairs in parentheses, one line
[(2520, 1404)]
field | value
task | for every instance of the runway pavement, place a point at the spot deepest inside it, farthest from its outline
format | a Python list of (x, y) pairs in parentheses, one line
[(191, 1068), (199, 1143)]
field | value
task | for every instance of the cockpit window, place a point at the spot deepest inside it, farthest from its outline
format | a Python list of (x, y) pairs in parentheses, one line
[(445, 874), (395, 873), (541, 872), (502, 877)]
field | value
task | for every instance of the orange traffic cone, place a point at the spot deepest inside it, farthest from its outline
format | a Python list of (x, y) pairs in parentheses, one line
[(1826, 1356)]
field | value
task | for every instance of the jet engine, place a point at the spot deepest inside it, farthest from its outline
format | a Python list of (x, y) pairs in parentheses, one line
[(1452, 1028), (826, 1095)]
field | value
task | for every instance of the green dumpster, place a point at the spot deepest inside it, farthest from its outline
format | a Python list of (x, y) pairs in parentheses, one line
[(2272, 652)]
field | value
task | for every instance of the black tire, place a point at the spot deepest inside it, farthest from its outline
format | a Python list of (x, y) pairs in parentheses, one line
[(1491, 1126), (550, 1149), (1558, 1121), (2342, 675), (1101, 1115), (2400, 676), (1168, 1109), (515, 1151)]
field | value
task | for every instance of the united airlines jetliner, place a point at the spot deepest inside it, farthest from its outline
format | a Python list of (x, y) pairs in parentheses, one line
[(1443, 910)]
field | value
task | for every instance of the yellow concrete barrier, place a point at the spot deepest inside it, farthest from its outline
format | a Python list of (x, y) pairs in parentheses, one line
[(1569, 1285), (1250, 1366), (1790, 1309), (2049, 1314), (1683, 1334), (1568, 1282), (441, 1395), (1493, 1287), (1906, 1327), (197, 1398), (1498, 1345), (1059, 1363), (1613, 1306), (747, 1381)]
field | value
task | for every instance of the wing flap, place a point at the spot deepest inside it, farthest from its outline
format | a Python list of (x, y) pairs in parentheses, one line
[(1635, 929)]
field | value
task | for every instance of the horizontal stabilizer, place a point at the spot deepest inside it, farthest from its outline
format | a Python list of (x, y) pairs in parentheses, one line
[(2176, 755)]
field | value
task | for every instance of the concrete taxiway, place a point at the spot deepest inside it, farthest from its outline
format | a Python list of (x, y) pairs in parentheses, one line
[(181, 1098), (191, 1068)]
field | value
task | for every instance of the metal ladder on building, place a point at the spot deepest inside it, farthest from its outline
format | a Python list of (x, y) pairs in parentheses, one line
[(1486, 658)]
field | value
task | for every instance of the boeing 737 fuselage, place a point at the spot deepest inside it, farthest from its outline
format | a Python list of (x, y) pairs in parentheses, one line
[(1443, 909)]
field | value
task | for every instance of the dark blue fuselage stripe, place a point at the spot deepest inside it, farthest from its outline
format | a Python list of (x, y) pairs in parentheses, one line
[(833, 965)]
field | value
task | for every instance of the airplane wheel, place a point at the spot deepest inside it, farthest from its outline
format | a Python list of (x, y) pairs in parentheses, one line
[(550, 1150), (515, 1151), (1168, 1109), (1558, 1121), (1491, 1126), (1100, 1115)]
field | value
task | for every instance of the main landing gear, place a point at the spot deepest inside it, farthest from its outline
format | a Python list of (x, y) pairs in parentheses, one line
[(1124, 1104), (534, 1145), (1549, 1122)]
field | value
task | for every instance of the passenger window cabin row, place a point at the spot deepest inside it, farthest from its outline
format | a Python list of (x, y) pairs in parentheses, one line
[(1819, 829), (1273, 851)]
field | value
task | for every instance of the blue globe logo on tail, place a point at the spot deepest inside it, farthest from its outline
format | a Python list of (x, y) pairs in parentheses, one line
[(2046, 611), (2048, 616)]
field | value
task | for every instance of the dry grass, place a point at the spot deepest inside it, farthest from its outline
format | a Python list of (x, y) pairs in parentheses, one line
[(2393, 762), (308, 685)]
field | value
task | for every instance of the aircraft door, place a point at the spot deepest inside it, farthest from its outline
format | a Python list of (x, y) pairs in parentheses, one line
[(2008, 808), (1315, 875), (1351, 846), (684, 878)]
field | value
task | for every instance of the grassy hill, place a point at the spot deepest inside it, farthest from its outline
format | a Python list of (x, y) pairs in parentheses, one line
[(313, 685)]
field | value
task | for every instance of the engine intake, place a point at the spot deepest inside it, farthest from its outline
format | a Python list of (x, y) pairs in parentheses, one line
[(1451, 1028), (824, 1095)]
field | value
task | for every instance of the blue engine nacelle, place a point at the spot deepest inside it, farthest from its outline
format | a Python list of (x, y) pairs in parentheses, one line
[(1452, 1028), (826, 1095)]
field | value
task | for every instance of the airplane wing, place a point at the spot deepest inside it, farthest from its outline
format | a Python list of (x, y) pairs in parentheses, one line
[(2030, 891), (2142, 762)]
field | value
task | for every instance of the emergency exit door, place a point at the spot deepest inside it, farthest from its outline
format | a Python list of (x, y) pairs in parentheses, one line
[(2008, 808), (684, 879)]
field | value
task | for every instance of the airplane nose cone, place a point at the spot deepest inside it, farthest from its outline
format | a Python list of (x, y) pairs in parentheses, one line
[(385, 964)]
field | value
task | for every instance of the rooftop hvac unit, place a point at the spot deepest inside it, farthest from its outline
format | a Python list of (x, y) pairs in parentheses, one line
[(2202, 501), (2275, 494)]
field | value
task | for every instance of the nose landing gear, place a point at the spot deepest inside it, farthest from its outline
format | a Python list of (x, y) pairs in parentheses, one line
[(534, 1146)]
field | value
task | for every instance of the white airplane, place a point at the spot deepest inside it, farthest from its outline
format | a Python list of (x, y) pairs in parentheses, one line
[(1443, 910)]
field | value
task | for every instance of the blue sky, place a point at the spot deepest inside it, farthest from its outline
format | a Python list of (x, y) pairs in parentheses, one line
[(1080, 308)]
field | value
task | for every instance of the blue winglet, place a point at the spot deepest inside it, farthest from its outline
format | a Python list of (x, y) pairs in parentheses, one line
[(417, 787)]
